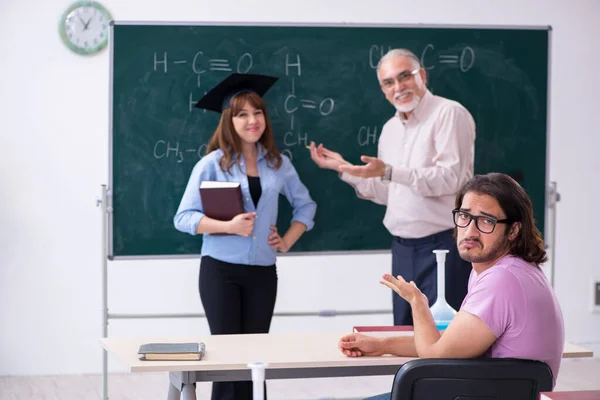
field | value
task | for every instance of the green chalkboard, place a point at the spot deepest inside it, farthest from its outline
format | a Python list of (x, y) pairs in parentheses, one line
[(327, 92)]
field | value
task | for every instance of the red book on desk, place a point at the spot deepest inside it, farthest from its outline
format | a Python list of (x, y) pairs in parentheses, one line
[(387, 328), (576, 395), (221, 200)]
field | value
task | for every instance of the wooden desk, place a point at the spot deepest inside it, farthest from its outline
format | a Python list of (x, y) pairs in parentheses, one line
[(570, 350), (291, 355), (576, 395), (295, 355), (573, 351)]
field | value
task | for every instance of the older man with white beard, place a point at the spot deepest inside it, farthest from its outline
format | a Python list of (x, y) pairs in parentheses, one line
[(425, 155)]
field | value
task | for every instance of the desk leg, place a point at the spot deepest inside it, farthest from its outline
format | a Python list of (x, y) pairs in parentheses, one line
[(182, 386), (174, 393), (188, 392)]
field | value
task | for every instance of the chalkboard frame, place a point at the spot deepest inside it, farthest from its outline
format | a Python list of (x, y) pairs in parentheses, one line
[(109, 248)]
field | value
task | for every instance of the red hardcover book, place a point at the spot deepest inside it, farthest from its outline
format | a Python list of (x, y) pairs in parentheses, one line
[(576, 395), (388, 328), (221, 200)]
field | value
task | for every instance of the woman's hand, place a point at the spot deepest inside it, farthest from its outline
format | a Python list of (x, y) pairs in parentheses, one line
[(242, 224), (277, 242)]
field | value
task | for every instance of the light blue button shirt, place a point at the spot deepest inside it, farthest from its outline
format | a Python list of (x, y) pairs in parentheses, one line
[(255, 249)]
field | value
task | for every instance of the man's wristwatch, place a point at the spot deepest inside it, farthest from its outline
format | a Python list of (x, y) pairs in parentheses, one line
[(387, 174)]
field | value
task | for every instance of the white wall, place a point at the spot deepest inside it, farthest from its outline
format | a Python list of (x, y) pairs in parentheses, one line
[(54, 124)]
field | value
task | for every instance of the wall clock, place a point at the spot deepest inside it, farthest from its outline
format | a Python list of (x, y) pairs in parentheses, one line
[(83, 27)]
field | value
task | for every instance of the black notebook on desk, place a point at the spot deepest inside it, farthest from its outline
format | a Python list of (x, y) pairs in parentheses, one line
[(171, 351), (221, 200)]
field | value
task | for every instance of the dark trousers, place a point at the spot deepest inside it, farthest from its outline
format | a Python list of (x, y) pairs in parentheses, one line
[(236, 299), (415, 261)]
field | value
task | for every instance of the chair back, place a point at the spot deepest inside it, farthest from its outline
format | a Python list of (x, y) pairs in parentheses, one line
[(471, 379)]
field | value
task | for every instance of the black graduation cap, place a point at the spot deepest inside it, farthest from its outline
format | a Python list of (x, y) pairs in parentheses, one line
[(219, 98)]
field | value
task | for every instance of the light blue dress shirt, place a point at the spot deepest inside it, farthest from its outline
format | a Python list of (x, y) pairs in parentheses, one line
[(254, 249)]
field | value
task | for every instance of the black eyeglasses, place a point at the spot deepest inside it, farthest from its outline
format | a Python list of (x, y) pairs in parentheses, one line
[(483, 223)]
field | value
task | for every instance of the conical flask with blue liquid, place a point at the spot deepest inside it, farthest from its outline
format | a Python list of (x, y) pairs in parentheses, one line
[(441, 310)]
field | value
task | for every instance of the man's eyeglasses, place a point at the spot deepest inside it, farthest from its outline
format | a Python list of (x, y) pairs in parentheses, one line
[(483, 223), (389, 83)]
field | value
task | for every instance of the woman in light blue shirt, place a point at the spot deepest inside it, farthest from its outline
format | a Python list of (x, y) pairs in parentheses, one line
[(238, 278)]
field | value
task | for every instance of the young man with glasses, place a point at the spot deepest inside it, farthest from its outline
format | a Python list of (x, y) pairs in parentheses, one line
[(510, 310), (425, 154)]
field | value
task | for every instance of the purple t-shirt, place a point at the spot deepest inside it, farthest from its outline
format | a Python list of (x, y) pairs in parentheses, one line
[(517, 303)]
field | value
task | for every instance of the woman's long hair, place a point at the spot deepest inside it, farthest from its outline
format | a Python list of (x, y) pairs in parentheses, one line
[(226, 138)]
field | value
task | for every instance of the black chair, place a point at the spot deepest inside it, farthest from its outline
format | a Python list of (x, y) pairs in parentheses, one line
[(471, 379)]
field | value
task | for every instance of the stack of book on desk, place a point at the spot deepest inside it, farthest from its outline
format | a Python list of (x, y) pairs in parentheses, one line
[(171, 351)]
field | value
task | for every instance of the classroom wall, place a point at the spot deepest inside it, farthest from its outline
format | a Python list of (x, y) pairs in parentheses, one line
[(54, 124)]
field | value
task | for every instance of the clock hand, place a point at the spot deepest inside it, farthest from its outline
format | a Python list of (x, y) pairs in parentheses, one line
[(85, 26)]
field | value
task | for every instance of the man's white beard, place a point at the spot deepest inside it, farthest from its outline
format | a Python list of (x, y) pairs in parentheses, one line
[(406, 108)]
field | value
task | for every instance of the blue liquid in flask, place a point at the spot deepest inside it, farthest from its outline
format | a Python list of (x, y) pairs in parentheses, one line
[(441, 310)]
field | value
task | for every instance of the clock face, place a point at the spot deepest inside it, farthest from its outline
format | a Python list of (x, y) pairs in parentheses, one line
[(84, 27)]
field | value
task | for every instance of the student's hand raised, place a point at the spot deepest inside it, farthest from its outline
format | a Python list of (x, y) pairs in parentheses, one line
[(277, 242), (357, 345), (408, 291), (374, 168), (242, 224)]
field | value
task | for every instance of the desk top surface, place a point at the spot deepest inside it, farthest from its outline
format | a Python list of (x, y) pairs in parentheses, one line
[(234, 352), (279, 350)]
